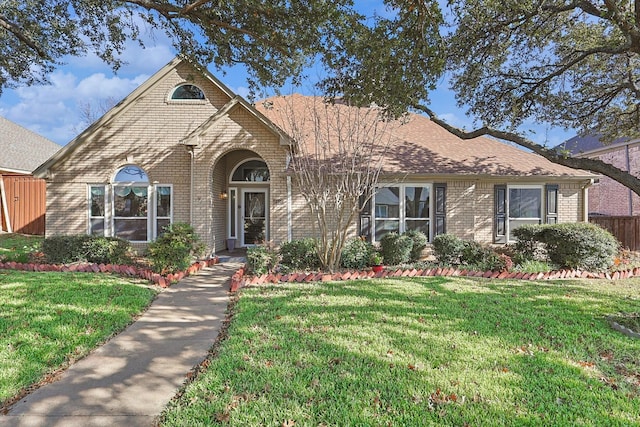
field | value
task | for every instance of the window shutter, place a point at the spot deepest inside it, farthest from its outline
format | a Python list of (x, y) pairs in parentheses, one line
[(365, 217), (551, 191), (440, 209), (500, 222)]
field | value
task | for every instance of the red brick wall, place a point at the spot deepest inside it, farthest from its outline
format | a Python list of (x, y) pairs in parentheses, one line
[(608, 197)]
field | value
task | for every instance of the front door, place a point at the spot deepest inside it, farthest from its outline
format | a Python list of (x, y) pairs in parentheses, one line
[(254, 216)]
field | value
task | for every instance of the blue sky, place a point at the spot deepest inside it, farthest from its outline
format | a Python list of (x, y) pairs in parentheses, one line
[(53, 110)]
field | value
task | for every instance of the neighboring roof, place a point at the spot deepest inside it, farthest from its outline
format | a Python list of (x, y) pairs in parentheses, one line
[(22, 150), (420, 146), (579, 145)]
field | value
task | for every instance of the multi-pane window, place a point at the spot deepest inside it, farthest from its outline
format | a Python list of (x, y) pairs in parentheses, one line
[(525, 207), (129, 207), (97, 199), (163, 208), (517, 205), (130, 212), (402, 208)]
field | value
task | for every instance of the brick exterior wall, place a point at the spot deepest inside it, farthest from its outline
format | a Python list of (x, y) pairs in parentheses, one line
[(147, 132), (609, 197)]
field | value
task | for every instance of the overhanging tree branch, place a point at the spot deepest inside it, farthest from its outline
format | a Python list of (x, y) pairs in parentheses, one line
[(594, 165)]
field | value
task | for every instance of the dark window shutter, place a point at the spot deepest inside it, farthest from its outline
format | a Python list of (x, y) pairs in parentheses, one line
[(440, 209), (365, 217), (551, 191), (500, 222)]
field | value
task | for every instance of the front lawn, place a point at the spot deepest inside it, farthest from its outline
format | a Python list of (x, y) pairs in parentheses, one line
[(47, 320), (18, 247), (422, 351)]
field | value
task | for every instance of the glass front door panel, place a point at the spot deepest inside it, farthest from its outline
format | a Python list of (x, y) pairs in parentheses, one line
[(255, 217)]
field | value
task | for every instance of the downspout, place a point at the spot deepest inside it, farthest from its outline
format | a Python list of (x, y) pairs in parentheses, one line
[(191, 149), (585, 201), (629, 170)]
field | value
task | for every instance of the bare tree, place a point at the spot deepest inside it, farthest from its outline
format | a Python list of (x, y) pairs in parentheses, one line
[(91, 111), (336, 162)]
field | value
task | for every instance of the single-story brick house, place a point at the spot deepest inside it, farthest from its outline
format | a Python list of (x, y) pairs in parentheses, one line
[(183, 147), (608, 197), (22, 197)]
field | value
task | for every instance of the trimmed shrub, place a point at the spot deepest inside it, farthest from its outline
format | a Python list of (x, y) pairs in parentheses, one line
[(395, 249), (474, 253), (420, 241), (356, 254), (447, 249), (107, 250), (528, 246), (580, 245), (261, 260), (65, 249), (299, 255), (175, 249)]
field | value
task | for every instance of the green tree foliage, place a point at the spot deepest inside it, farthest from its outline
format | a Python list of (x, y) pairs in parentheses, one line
[(275, 40), (572, 64), (567, 63)]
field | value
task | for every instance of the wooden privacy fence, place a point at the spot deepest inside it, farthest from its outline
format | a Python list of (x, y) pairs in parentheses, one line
[(625, 228), (23, 204)]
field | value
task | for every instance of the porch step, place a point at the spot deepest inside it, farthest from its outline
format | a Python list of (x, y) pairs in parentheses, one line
[(231, 258)]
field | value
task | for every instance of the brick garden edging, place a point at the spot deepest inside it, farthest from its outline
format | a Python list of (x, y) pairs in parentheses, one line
[(124, 270), (238, 280)]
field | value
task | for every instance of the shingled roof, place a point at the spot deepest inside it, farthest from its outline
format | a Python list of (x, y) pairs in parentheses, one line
[(22, 150), (422, 147)]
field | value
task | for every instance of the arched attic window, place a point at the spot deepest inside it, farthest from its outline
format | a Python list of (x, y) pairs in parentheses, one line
[(187, 92)]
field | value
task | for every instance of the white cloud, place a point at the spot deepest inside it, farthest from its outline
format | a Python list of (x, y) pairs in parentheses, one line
[(52, 110)]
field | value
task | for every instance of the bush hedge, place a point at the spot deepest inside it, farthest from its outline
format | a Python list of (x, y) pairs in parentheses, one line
[(420, 241), (356, 254), (395, 248), (580, 245), (299, 255), (66, 249), (261, 260), (175, 249), (447, 249)]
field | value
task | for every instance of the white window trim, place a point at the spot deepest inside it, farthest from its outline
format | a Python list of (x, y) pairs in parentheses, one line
[(155, 209), (150, 207), (242, 162), (170, 99), (232, 206), (508, 216), (106, 212), (402, 211)]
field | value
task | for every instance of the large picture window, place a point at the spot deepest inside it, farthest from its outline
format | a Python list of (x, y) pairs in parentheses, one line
[(129, 208), (401, 208)]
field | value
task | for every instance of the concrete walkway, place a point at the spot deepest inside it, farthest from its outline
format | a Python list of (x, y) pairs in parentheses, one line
[(129, 380)]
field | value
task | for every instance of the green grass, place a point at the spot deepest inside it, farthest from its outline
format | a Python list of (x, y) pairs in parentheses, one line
[(422, 351), (17, 247), (47, 320)]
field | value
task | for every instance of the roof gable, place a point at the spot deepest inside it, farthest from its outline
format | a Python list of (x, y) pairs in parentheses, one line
[(126, 104), (22, 150)]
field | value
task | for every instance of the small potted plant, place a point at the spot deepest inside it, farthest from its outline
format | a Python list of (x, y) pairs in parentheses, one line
[(376, 262)]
